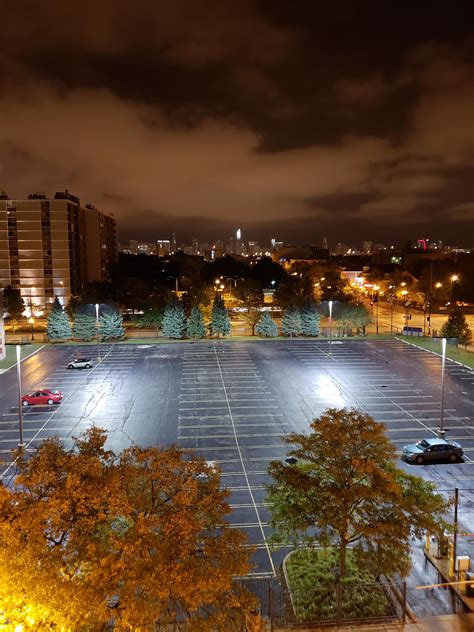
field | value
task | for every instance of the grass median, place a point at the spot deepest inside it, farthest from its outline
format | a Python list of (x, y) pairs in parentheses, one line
[(434, 345), (26, 350)]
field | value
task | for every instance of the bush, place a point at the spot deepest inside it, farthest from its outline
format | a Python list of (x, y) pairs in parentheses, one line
[(312, 582)]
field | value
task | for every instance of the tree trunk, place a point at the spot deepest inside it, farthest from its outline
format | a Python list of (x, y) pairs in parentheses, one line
[(342, 558)]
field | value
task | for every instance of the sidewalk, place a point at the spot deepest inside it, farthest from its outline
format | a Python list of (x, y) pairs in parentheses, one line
[(442, 566), (445, 623)]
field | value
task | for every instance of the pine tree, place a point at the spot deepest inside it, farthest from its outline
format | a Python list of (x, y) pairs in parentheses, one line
[(111, 325), (309, 319), (457, 327), (85, 325), (58, 327), (220, 321), (266, 326), (291, 322), (195, 326), (13, 303), (174, 320)]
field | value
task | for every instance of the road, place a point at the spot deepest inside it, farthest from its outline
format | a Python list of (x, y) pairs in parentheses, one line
[(232, 401), (417, 319)]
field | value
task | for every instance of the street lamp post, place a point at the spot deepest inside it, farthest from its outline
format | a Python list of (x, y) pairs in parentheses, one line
[(97, 324), (376, 298), (441, 430), (31, 320), (330, 328), (453, 279), (21, 443)]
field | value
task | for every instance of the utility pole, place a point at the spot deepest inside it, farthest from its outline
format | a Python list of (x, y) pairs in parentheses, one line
[(21, 443), (441, 430), (330, 328), (455, 525)]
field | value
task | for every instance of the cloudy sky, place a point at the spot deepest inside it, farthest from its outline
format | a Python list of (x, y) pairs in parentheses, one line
[(351, 119)]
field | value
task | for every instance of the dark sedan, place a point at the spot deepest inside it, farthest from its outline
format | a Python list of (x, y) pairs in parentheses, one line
[(431, 450)]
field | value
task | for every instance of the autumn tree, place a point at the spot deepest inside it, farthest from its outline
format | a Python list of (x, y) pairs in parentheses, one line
[(88, 538), (152, 318), (345, 490)]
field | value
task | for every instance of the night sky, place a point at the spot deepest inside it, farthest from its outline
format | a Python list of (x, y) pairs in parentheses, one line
[(291, 119)]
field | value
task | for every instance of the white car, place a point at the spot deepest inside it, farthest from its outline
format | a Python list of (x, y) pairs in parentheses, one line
[(80, 363)]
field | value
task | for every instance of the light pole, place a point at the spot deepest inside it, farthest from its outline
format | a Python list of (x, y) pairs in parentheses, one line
[(98, 330), (330, 328), (21, 443), (176, 285), (31, 320), (441, 430), (392, 303), (453, 279), (376, 298), (405, 296)]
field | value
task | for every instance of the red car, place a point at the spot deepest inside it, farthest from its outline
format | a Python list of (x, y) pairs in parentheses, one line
[(45, 396)]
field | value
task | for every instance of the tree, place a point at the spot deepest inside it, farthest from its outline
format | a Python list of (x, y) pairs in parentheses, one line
[(310, 319), (58, 327), (85, 324), (457, 327), (152, 318), (250, 294), (266, 326), (195, 326), (359, 316), (291, 321), (111, 325), (346, 489), (220, 321), (88, 537), (13, 304), (174, 320)]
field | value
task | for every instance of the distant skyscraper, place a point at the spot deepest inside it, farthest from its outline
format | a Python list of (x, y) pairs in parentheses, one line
[(367, 247), (238, 241), (325, 243)]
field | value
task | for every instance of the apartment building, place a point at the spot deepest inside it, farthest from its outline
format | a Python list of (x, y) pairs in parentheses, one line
[(53, 246)]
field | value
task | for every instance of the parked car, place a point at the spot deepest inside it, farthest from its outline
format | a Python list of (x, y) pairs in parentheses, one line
[(43, 396), (430, 450), (80, 363)]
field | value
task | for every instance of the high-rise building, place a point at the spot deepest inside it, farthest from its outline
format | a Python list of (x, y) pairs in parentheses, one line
[(163, 247), (53, 246), (367, 247)]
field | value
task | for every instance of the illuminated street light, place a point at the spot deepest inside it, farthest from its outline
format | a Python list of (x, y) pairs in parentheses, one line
[(376, 289), (454, 278), (330, 328), (21, 443), (98, 330), (441, 430), (438, 285)]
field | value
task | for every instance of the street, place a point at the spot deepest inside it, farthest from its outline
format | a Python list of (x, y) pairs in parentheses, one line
[(232, 401)]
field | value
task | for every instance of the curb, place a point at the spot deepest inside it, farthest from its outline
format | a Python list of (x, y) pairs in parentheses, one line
[(412, 344)]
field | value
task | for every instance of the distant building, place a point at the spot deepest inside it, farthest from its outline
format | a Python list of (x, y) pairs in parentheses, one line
[(164, 247), (367, 247), (53, 246)]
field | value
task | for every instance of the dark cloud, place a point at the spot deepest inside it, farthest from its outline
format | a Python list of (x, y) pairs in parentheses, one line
[(280, 117)]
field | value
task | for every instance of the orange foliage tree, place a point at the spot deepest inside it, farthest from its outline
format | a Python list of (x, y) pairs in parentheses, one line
[(89, 539)]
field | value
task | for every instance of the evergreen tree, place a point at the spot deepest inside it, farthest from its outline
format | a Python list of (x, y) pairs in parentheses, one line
[(196, 327), (58, 323), (220, 321), (13, 303), (291, 321), (266, 326), (85, 325), (111, 325), (309, 319), (457, 327), (174, 320)]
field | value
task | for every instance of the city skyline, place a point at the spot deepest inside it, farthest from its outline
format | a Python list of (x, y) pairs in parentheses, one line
[(294, 120)]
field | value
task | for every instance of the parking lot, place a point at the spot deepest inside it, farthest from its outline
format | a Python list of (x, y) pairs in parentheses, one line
[(232, 401)]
